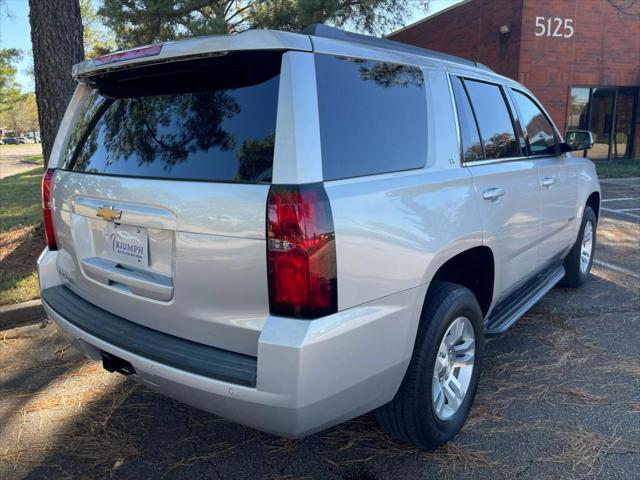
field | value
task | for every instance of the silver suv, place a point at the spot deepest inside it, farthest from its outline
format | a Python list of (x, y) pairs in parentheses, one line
[(290, 230)]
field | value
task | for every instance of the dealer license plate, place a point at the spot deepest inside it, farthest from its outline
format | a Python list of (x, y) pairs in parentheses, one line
[(129, 244)]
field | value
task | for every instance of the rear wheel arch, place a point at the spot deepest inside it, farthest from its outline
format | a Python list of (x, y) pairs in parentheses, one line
[(474, 269)]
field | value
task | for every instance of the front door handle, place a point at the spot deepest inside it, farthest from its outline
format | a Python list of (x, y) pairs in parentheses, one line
[(548, 181), (493, 193)]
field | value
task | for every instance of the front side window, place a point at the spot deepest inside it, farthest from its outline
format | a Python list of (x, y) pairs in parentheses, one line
[(537, 127), (494, 120), (211, 120), (373, 116)]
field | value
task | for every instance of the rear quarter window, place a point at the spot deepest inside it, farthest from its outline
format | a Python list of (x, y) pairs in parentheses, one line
[(373, 116), (211, 120)]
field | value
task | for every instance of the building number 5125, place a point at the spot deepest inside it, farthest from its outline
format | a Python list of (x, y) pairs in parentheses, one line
[(554, 27)]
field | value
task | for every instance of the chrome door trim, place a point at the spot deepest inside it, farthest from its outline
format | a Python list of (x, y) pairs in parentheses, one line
[(452, 100), (132, 214), (548, 182), (143, 283), (493, 193)]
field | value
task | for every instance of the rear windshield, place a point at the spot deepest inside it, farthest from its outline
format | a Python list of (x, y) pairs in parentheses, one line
[(211, 120)]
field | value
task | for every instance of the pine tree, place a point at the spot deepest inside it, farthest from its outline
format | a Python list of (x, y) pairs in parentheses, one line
[(139, 22), (56, 37)]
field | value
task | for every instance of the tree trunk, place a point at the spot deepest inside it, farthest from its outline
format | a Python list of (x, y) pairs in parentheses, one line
[(56, 36)]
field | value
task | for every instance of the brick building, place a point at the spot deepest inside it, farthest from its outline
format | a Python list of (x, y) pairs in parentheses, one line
[(580, 57)]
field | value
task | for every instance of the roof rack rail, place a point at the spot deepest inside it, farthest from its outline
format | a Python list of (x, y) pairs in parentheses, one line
[(322, 30)]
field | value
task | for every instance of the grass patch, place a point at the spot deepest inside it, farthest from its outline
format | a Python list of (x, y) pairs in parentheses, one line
[(20, 200), (618, 168), (38, 159), (21, 237), (20, 289)]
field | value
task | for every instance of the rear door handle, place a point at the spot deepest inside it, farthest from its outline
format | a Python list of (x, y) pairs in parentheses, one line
[(548, 181), (493, 193)]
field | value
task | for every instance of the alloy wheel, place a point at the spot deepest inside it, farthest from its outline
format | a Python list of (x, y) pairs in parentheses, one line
[(453, 368), (586, 248)]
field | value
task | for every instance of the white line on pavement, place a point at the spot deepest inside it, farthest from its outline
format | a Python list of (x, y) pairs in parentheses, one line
[(616, 268), (620, 199), (619, 212)]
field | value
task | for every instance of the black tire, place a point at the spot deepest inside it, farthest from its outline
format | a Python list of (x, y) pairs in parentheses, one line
[(410, 416), (575, 276)]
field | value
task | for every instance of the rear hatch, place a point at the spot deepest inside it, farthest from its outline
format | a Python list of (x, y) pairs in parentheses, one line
[(161, 196)]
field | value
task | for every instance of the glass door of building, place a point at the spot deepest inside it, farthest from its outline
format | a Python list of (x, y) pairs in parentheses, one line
[(609, 113), (623, 125), (601, 121)]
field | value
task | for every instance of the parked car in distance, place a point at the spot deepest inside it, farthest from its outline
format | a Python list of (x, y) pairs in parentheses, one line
[(10, 141), (25, 140), (290, 230)]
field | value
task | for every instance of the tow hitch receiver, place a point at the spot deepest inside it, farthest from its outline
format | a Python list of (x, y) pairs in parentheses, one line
[(111, 363)]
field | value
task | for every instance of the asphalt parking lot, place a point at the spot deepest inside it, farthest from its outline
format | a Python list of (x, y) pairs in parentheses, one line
[(559, 398)]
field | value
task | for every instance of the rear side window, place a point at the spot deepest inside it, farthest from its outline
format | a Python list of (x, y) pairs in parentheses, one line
[(210, 120), (373, 116), (471, 145), (538, 129), (496, 128)]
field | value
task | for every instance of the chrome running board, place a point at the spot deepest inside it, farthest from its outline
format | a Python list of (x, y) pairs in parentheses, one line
[(517, 303)]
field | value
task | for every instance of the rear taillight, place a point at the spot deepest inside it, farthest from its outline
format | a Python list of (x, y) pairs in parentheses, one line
[(47, 187), (301, 252)]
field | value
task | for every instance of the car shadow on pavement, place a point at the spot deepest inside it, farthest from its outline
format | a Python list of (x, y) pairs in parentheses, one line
[(557, 399)]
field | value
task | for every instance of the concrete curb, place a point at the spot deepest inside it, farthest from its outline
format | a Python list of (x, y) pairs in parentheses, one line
[(617, 181), (12, 316)]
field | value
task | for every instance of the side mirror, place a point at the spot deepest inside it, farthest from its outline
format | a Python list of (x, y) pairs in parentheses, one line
[(577, 140)]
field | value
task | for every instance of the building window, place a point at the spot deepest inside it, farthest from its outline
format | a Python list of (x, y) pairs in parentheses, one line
[(610, 114), (624, 123)]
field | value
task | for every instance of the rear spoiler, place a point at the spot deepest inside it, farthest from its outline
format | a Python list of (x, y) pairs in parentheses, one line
[(192, 48)]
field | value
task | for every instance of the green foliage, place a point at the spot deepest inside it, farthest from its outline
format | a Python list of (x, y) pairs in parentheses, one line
[(8, 57), (97, 39), (138, 22), (9, 90), (18, 112)]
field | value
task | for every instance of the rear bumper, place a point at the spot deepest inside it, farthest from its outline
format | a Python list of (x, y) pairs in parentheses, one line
[(309, 375)]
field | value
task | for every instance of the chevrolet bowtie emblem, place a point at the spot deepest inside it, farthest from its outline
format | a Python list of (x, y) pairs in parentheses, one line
[(108, 213)]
